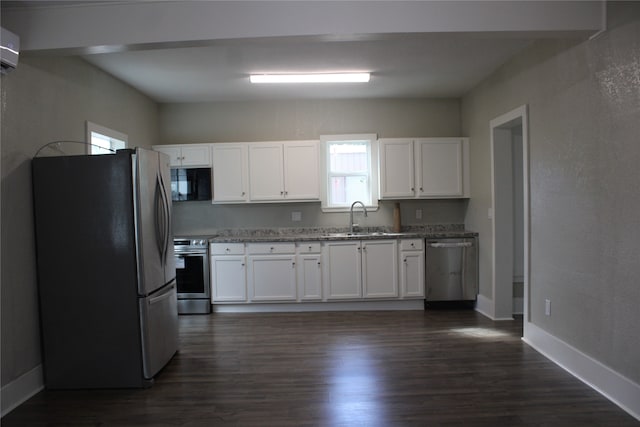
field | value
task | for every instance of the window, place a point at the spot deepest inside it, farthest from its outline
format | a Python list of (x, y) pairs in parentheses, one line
[(103, 140), (349, 163)]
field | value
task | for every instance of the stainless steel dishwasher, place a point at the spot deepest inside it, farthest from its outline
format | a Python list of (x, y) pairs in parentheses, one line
[(451, 270)]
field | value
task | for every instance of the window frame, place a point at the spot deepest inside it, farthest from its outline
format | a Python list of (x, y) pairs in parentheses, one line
[(105, 131), (372, 148)]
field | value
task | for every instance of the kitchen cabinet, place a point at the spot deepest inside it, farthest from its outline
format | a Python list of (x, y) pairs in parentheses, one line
[(186, 155), (309, 267), (424, 168), (361, 269), (282, 171), (412, 268), (272, 271), (230, 173), (228, 273)]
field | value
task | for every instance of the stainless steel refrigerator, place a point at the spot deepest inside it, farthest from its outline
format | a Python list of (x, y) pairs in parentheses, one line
[(106, 268)]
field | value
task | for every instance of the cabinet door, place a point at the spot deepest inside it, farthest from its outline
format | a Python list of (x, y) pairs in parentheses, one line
[(228, 279), (266, 172), (272, 278), (380, 268), (343, 272), (396, 168), (301, 170), (439, 167), (309, 277), (174, 153), (196, 156), (412, 274), (229, 173)]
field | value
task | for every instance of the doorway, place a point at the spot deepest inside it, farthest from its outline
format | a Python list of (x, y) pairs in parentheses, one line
[(510, 195)]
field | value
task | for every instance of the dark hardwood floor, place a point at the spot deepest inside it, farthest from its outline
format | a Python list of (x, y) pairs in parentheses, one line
[(433, 368)]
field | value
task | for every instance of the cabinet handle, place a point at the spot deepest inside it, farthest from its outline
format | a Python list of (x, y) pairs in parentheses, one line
[(243, 193), (242, 264), (293, 264), (413, 245), (318, 262), (309, 248), (412, 189), (282, 193), (286, 192), (405, 260), (421, 189)]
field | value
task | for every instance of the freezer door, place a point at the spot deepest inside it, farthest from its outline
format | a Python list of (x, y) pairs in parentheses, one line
[(156, 265), (159, 326)]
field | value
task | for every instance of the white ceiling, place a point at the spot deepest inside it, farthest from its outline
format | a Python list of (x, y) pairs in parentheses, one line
[(204, 51), (408, 65)]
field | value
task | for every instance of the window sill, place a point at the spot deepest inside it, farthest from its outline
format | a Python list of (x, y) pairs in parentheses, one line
[(373, 208)]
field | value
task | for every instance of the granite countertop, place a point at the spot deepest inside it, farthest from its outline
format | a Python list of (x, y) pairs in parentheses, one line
[(332, 234)]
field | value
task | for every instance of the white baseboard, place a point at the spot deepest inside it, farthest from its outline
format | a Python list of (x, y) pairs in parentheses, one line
[(21, 389), (417, 304), (615, 387), (484, 306)]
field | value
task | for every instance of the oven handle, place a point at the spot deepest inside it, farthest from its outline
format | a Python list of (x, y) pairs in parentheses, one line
[(190, 253)]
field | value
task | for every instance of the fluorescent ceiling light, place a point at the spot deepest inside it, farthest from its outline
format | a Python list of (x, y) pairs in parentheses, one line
[(310, 78)]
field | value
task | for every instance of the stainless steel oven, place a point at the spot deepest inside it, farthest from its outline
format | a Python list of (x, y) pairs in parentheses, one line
[(192, 275)]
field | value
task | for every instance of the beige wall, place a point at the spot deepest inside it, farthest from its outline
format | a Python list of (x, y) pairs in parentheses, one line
[(306, 119), (584, 105), (43, 100)]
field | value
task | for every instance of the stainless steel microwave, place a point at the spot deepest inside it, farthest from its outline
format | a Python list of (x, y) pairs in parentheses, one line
[(190, 184)]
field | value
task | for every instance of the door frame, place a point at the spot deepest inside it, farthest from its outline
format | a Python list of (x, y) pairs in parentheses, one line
[(503, 292)]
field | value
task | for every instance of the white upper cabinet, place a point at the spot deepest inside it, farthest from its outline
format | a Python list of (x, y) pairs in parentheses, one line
[(439, 169), (230, 180), (396, 168), (266, 172), (424, 168), (187, 155), (301, 170), (284, 171)]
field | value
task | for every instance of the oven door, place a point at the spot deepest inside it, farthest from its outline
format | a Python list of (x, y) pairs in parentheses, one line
[(192, 275)]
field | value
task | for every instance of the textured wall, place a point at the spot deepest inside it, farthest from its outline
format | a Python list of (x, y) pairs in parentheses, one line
[(584, 105), (43, 100), (306, 119)]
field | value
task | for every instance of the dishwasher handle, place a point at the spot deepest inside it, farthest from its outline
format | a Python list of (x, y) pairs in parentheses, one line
[(450, 245)]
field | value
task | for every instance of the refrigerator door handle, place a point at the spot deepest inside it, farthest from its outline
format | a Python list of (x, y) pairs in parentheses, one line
[(159, 219), (165, 215)]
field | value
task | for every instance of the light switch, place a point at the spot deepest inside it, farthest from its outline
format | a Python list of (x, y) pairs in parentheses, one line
[(418, 213), (296, 216)]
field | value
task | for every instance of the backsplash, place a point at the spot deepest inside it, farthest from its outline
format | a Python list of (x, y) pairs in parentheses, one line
[(203, 218)]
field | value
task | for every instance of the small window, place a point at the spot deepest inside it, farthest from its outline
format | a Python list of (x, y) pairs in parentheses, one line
[(349, 163), (103, 140)]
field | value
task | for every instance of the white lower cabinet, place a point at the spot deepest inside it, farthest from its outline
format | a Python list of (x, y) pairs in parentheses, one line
[(343, 270), (312, 271), (228, 273), (309, 267), (412, 268), (272, 271), (361, 269)]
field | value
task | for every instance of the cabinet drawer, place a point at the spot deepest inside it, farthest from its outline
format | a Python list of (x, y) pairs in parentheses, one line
[(227, 248), (309, 247), (271, 248), (411, 245)]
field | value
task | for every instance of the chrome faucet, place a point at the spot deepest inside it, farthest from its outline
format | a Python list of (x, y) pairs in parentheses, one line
[(351, 224)]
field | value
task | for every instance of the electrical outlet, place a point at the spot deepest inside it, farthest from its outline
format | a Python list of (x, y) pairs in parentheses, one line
[(296, 216), (418, 213), (547, 307)]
